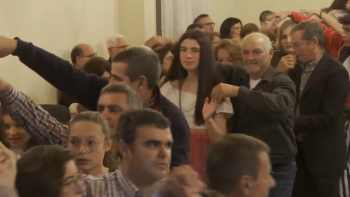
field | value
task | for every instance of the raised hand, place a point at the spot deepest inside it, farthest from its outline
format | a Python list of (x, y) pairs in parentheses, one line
[(157, 43), (7, 46), (287, 62), (209, 108), (310, 12)]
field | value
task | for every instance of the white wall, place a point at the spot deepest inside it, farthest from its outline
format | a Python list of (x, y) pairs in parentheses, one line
[(56, 26), (249, 10)]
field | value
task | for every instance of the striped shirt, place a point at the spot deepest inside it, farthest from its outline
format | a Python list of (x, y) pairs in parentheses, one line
[(40, 125)]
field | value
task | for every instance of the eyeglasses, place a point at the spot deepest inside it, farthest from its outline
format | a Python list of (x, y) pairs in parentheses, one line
[(209, 24), (121, 47), (72, 183), (90, 56), (90, 145), (297, 45)]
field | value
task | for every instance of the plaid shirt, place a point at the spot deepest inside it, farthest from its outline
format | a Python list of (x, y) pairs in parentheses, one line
[(40, 125)]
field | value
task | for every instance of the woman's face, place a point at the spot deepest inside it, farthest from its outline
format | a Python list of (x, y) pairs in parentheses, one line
[(190, 54), (168, 59), (347, 6), (72, 186), (17, 136), (286, 40), (87, 141), (224, 57), (236, 30)]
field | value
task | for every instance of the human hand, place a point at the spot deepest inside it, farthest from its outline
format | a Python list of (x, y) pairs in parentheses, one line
[(8, 168), (310, 12), (182, 181), (157, 43), (7, 46), (209, 109), (223, 90), (287, 62)]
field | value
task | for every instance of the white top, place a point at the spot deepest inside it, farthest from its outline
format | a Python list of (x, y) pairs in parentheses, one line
[(253, 83), (188, 103)]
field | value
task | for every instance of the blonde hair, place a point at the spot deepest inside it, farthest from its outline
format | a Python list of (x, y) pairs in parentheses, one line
[(233, 47)]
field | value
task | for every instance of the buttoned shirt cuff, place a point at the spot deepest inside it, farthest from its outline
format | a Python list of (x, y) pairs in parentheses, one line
[(9, 97)]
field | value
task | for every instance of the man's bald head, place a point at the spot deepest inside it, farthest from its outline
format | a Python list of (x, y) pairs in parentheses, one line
[(257, 53), (81, 54), (258, 38)]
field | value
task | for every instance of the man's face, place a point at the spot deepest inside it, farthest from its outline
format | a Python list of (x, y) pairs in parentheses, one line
[(72, 186), (119, 47), (150, 154), (255, 56), (346, 35), (88, 53), (111, 106), (119, 77), (303, 49), (208, 24), (264, 182)]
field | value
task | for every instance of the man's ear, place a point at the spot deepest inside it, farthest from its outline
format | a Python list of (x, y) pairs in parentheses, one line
[(245, 185)]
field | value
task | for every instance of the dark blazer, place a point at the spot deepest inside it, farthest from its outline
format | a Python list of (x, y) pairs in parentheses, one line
[(321, 108), (86, 89)]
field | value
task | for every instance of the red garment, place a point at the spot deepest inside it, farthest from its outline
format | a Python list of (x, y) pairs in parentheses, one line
[(334, 40), (200, 144)]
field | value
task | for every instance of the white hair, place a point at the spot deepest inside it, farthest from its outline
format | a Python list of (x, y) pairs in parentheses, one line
[(112, 40), (266, 40)]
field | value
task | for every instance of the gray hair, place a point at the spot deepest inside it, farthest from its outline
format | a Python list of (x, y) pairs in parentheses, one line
[(266, 40), (112, 40), (311, 30), (134, 99)]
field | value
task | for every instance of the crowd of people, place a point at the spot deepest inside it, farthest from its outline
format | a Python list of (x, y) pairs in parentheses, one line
[(245, 112)]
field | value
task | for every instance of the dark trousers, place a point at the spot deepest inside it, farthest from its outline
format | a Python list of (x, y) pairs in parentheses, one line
[(284, 178), (307, 185)]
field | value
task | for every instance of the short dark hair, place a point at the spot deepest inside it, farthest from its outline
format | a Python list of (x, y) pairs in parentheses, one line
[(345, 20), (194, 26), (134, 99), (225, 28), (248, 28), (97, 66), (141, 61), (199, 18), (77, 51), (130, 121), (264, 15), (40, 171), (311, 30), (230, 157)]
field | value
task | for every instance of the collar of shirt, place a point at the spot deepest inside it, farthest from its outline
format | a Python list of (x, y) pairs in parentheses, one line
[(311, 66), (127, 185), (268, 76)]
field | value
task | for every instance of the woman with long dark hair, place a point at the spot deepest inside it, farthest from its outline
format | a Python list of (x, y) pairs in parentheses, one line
[(192, 76), (231, 28)]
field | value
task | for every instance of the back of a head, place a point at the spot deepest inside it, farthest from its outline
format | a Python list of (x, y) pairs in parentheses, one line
[(97, 66), (248, 29), (258, 37), (194, 26), (130, 121), (198, 19), (76, 51), (40, 171), (264, 14), (229, 158), (226, 26), (140, 61), (311, 30)]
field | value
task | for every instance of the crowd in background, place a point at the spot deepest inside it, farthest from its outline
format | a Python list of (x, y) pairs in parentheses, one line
[(250, 111)]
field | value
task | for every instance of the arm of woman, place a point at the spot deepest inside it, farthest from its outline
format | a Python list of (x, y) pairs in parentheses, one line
[(215, 116), (327, 19)]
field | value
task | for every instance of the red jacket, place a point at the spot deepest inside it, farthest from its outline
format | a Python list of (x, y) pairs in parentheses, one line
[(334, 40)]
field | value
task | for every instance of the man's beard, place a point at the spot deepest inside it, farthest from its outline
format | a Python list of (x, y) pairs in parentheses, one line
[(252, 71)]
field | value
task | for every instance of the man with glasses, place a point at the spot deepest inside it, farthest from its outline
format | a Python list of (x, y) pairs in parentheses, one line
[(116, 44), (81, 54), (206, 22)]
